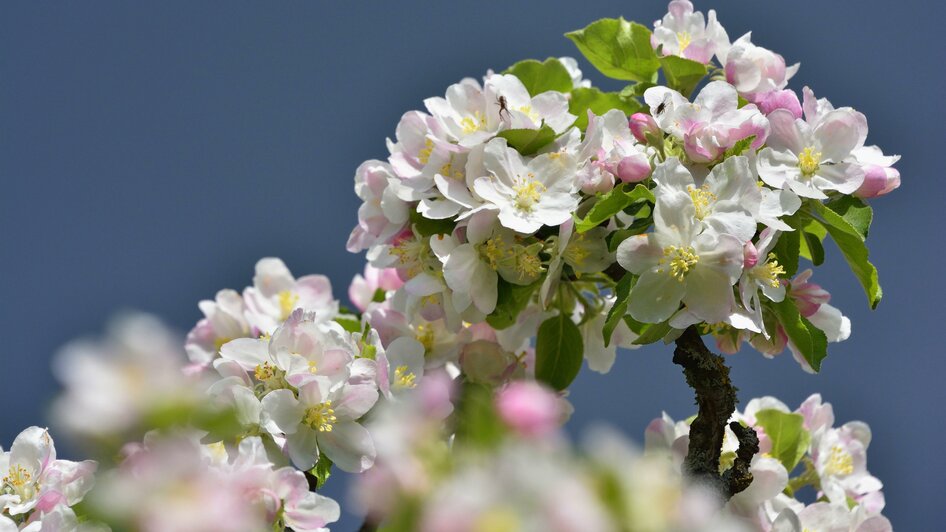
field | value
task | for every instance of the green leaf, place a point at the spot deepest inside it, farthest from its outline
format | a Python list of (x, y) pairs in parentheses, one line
[(619, 49), (511, 300), (647, 333), (786, 251), (739, 147), (611, 203), (851, 243), (321, 471), (583, 99), (683, 75), (788, 435), (558, 352), (807, 338), (812, 248), (619, 309), (636, 90), (428, 227), (349, 324), (855, 212), (478, 423), (528, 141), (538, 77)]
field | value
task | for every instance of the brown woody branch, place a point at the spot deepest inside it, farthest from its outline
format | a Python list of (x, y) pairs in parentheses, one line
[(708, 375)]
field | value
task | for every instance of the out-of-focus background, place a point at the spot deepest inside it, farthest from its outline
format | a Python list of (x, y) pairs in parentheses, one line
[(151, 153)]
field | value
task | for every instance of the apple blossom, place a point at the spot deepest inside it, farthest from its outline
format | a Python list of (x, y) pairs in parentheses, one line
[(753, 70), (684, 32)]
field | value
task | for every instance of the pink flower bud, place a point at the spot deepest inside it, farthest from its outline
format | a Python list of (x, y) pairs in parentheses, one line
[(633, 169), (750, 256), (878, 181), (808, 296), (529, 408), (642, 124), (485, 362), (782, 99)]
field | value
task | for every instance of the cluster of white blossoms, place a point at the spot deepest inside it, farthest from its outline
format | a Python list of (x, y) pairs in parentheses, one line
[(37, 490), (533, 192), (799, 450), (520, 226)]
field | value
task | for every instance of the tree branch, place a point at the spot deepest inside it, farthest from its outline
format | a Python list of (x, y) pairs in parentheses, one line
[(708, 375)]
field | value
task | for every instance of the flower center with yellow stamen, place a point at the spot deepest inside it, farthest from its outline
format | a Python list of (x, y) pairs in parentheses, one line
[(218, 342), (425, 335), (528, 191), (424, 154), (684, 39), (447, 171), (528, 265), (287, 303), (702, 199), (494, 251), (839, 462), (313, 367), (412, 255), (404, 378), (808, 161), (680, 261), (20, 482), (528, 111), (472, 124), (320, 417), (768, 273), (271, 377)]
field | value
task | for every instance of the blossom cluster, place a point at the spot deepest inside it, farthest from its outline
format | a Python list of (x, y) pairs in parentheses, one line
[(520, 226), (534, 192), (37, 490), (829, 461)]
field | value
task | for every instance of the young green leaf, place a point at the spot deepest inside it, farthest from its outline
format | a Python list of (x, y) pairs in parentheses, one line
[(619, 49), (683, 75), (511, 300), (807, 338), (611, 203), (321, 471), (851, 243), (648, 333), (478, 423), (583, 99), (558, 352), (788, 435), (349, 324), (739, 147), (528, 141), (538, 77), (619, 309), (855, 212)]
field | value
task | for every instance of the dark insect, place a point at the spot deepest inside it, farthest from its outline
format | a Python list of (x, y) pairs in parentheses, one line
[(501, 102), (660, 108)]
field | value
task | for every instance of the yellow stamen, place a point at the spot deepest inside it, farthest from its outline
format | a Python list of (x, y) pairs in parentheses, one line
[(20, 482), (528, 265), (684, 40), (808, 161), (494, 251), (425, 335), (528, 191), (271, 377), (313, 367), (681, 261), (404, 378), (287, 303), (472, 124), (839, 462), (321, 417), (702, 199), (424, 154), (769, 272)]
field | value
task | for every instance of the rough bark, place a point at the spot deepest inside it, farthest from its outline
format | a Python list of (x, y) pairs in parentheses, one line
[(708, 375)]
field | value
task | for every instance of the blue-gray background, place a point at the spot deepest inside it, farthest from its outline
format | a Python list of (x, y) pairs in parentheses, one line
[(150, 154)]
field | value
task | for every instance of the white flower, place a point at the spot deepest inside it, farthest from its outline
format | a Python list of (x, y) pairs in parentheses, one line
[(223, 321), (400, 366), (471, 114), (467, 270), (814, 156), (600, 358), (323, 421), (528, 193), (761, 272), (681, 261), (754, 70), (383, 214), (684, 32), (724, 201), (276, 293)]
